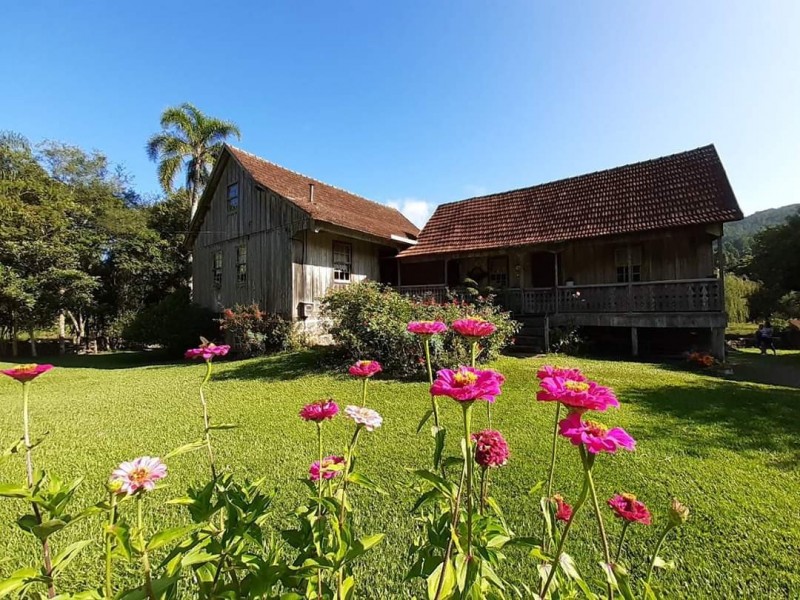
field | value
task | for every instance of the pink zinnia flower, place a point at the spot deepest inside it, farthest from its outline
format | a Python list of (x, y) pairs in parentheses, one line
[(319, 411), (426, 328), (491, 448), (628, 508), (331, 467), (26, 373), (366, 417), (365, 368), (563, 510), (140, 474), (593, 436), (578, 394), (468, 384), (474, 327), (551, 371), (207, 351)]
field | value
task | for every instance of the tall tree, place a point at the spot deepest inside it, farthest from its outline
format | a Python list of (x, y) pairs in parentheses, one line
[(192, 140)]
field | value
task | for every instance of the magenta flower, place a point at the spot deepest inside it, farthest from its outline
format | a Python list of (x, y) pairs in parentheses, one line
[(320, 410), (426, 328), (468, 384), (474, 327), (138, 475), (551, 371), (579, 395), (365, 417), (207, 351), (563, 510), (331, 467), (491, 448), (365, 368), (593, 436), (26, 373), (628, 508)]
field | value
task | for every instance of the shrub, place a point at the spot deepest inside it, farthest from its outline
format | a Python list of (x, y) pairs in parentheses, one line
[(254, 333), (175, 323), (369, 320)]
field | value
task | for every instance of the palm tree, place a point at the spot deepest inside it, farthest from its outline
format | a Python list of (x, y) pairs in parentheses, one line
[(189, 139)]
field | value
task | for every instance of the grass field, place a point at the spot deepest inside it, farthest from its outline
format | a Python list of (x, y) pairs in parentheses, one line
[(729, 449)]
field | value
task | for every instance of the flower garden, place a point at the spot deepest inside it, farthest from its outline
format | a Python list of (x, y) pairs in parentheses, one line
[(518, 480)]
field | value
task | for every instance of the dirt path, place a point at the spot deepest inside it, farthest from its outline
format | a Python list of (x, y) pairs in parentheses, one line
[(783, 370)]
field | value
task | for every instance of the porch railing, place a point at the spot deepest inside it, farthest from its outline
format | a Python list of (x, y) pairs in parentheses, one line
[(685, 295)]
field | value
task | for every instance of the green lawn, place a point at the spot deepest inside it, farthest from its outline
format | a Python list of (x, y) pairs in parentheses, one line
[(729, 449)]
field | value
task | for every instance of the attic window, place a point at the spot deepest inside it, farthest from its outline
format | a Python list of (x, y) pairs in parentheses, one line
[(233, 197)]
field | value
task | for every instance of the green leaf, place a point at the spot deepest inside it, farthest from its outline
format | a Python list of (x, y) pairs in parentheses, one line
[(649, 592), (447, 488), (48, 528), (362, 545), (169, 535), (534, 491), (11, 490), (190, 447), (365, 482), (440, 436), (224, 426), (67, 555), (660, 563), (17, 580), (160, 585), (623, 580), (428, 414), (448, 584)]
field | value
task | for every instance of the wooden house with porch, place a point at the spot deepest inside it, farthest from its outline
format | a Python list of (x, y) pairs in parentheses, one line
[(265, 234), (627, 252)]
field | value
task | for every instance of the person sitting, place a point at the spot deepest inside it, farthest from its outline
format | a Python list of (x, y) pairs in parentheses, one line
[(767, 340)]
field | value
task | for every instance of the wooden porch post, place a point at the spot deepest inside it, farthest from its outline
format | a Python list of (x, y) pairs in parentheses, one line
[(630, 284), (555, 278), (446, 260), (634, 341), (721, 274)]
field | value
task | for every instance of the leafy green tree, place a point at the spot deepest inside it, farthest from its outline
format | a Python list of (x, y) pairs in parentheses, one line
[(191, 139)]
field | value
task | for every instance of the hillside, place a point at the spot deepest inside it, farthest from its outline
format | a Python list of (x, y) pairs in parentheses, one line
[(739, 235)]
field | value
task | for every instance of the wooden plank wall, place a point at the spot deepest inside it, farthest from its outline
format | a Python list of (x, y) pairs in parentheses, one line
[(266, 223)]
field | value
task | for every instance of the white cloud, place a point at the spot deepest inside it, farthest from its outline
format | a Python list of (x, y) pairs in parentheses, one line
[(416, 210)]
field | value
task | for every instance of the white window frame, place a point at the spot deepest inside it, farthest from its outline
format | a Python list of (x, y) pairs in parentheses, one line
[(342, 262)]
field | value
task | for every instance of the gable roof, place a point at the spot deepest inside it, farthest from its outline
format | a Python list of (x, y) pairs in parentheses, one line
[(690, 188), (331, 204)]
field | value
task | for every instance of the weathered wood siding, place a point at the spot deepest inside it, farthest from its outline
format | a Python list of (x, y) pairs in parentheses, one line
[(265, 223), (312, 266)]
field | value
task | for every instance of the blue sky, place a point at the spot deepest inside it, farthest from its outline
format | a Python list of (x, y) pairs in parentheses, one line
[(420, 102)]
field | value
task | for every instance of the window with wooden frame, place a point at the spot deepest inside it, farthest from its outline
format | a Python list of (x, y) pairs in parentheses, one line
[(342, 261), (627, 272), (498, 271), (233, 197), (216, 269), (241, 264)]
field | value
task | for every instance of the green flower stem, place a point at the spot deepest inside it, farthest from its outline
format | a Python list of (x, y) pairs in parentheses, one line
[(48, 565), (112, 518), (364, 392), (148, 582), (434, 404), (468, 458), (588, 461), (348, 462), (484, 489), (206, 422), (669, 528), (561, 542), (320, 480), (552, 471), (455, 516), (622, 539)]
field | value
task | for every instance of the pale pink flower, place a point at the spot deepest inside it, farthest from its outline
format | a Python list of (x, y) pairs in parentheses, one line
[(578, 395), (365, 368), (366, 417), (426, 328), (138, 475), (628, 508), (593, 436), (474, 327), (467, 384), (320, 410), (26, 373), (331, 467), (491, 448)]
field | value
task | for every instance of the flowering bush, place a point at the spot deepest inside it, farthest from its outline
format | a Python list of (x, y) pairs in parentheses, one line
[(370, 320), (254, 332)]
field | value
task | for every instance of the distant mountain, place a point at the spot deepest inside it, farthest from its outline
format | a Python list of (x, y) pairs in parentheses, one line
[(739, 235)]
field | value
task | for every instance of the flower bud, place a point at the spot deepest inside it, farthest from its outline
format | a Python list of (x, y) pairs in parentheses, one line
[(678, 513)]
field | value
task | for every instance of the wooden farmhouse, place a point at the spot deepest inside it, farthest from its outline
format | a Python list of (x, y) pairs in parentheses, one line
[(627, 253), (265, 234)]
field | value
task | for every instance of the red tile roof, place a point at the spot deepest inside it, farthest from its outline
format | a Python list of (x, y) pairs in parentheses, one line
[(331, 204), (690, 188)]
